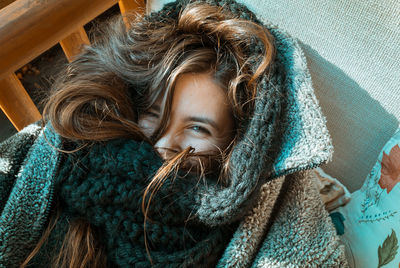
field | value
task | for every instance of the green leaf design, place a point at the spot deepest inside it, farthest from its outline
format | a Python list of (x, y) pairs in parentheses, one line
[(388, 251)]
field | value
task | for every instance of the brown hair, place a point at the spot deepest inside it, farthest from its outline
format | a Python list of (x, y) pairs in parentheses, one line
[(102, 92)]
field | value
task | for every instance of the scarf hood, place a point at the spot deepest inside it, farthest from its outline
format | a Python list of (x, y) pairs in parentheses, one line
[(282, 137)]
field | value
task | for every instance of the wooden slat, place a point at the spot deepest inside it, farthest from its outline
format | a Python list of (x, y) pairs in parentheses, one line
[(30, 27), (73, 44), (16, 103), (4, 3)]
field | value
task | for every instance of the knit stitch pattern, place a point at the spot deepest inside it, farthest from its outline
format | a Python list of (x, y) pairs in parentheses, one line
[(302, 233), (104, 185), (32, 187), (250, 233)]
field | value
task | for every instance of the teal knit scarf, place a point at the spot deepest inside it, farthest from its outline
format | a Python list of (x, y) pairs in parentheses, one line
[(104, 185)]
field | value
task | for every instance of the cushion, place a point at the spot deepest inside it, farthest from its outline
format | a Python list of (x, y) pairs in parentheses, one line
[(369, 225)]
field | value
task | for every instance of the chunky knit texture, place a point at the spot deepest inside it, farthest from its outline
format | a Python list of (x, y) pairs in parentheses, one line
[(104, 185), (289, 227), (26, 192)]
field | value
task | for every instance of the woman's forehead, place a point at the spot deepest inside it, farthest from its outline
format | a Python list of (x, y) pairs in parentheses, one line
[(198, 93)]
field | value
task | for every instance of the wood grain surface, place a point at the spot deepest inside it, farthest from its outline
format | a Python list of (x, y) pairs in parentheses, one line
[(30, 27)]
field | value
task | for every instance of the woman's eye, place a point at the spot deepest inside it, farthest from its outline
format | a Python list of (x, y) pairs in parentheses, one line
[(152, 114), (200, 129)]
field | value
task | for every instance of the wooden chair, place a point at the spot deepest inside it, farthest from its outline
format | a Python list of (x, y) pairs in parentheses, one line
[(28, 28)]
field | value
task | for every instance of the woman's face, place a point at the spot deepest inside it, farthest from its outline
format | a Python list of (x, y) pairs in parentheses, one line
[(200, 117)]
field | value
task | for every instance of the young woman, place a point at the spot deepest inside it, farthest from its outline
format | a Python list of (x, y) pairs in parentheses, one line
[(184, 140)]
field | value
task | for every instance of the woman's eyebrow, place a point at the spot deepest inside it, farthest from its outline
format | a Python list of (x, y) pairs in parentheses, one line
[(202, 119)]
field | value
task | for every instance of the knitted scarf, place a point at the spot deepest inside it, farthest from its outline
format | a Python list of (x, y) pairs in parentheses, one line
[(105, 187)]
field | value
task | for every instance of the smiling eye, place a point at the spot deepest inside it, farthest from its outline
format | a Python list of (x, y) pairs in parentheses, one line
[(151, 113), (200, 129)]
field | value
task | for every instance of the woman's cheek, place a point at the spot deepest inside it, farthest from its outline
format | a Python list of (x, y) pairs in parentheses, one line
[(201, 145)]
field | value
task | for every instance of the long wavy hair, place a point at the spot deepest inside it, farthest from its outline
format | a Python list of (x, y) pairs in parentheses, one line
[(101, 93)]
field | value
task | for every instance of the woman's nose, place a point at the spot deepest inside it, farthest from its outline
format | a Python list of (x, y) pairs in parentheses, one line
[(167, 146)]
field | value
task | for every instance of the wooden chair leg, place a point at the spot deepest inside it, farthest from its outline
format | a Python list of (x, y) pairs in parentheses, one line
[(16, 103), (72, 44)]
